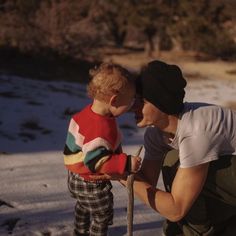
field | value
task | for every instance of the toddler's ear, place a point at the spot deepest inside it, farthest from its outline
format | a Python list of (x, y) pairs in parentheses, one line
[(113, 100)]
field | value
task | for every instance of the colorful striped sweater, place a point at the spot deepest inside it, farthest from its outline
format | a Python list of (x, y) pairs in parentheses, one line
[(93, 145)]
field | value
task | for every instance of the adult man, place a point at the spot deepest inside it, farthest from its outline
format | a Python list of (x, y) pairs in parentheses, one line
[(200, 196), (200, 180)]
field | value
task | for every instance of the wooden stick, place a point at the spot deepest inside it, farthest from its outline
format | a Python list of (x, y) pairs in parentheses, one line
[(130, 206)]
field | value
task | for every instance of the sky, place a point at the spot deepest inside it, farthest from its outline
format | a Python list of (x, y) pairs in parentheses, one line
[(34, 117)]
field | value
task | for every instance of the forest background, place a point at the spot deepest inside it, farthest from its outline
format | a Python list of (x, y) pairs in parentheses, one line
[(62, 39), (46, 50)]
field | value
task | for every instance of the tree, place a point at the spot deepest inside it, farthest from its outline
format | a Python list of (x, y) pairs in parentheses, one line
[(17, 23), (153, 18), (199, 25), (114, 16)]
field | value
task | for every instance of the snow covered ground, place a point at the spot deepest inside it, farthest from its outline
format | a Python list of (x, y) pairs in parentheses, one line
[(33, 122)]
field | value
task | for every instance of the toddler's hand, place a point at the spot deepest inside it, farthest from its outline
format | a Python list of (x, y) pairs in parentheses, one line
[(135, 164)]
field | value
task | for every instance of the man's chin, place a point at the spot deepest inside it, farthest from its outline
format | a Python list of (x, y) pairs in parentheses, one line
[(140, 124)]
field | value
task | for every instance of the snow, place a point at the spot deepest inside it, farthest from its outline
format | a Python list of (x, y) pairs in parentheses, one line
[(34, 117)]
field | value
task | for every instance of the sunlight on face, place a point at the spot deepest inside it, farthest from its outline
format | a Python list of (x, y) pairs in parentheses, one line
[(150, 115)]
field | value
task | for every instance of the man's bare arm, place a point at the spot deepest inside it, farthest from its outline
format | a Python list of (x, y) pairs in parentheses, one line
[(186, 187)]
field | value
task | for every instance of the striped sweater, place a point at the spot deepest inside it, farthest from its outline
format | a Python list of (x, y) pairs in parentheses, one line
[(93, 145)]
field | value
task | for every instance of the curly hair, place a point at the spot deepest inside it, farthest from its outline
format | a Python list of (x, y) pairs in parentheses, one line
[(108, 79)]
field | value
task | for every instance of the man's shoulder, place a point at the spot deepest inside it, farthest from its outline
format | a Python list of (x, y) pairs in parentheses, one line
[(198, 113)]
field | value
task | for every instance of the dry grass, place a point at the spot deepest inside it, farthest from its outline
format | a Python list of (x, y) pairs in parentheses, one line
[(211, 69), (192, 68), (231, 105), (231, 72), (136, 60)]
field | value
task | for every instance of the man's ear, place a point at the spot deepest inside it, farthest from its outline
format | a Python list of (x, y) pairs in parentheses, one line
[(113, 100)]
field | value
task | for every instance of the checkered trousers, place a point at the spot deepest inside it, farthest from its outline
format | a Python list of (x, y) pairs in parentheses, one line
[(94, 206)]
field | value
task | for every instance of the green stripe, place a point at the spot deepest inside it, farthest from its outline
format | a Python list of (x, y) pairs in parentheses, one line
[(70, 142), (92, 157)]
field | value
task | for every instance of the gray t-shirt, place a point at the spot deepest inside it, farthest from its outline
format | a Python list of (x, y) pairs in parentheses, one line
[(204, 133)]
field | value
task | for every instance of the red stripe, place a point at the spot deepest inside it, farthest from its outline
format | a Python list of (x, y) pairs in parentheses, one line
[(115, 165), (78, 168)]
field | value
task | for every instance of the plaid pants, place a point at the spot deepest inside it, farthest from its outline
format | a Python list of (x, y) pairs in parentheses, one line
[(95, 201)]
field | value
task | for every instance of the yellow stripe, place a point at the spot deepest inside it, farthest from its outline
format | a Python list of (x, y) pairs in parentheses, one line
[(101, 162), (74, 158)]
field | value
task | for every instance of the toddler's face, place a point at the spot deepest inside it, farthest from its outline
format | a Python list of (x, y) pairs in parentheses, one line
[(125, 100)]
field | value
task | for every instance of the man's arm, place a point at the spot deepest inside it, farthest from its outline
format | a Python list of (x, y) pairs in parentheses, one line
[(186, 187)]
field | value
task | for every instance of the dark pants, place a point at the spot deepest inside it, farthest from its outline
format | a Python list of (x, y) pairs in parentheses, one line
[(214, 211)]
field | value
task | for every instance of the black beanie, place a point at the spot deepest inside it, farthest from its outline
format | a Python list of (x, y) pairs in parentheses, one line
[(162, 85)]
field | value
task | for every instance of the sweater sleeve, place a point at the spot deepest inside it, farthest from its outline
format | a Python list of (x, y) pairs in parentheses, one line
[(103, 160), (117, 164), (95, 158)]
